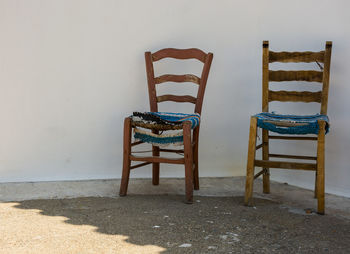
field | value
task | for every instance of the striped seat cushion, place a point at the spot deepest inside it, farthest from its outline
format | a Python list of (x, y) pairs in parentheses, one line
[(291, 124), (162, 121)]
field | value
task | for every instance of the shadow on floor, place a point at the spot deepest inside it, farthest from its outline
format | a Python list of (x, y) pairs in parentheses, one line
[(210, 225)]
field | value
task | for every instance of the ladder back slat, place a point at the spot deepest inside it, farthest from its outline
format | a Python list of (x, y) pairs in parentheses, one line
[(285, 165), (192, 53), (309, 76), (177, 78), (294, 96), (295, 57), (177, 98)]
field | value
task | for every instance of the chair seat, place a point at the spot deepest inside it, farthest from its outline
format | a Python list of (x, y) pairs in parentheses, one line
[(291, 124), (162, 121)]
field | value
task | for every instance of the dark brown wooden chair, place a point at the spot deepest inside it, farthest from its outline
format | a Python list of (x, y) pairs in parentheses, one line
[(190, 138), (291, 96)]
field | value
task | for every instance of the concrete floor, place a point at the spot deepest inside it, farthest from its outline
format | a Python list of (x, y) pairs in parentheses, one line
[(217, 222)]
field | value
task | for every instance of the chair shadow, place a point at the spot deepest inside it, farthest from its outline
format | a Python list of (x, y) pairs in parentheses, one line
[(211, 224)]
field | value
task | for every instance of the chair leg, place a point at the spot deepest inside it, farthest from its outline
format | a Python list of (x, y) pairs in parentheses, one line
[(126, 157), (265, 156), (315, 192), (155, 165), (188, 162), (321, 168), (250, 161), (195, 158)]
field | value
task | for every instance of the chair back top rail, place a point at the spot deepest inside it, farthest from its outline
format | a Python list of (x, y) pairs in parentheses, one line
[(299, 75), (180, 54), (192, 53)]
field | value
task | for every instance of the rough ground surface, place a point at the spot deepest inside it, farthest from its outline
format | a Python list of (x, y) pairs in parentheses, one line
[(164, 224)]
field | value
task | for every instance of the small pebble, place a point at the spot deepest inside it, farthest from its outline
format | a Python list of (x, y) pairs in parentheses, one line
[(185, 245)]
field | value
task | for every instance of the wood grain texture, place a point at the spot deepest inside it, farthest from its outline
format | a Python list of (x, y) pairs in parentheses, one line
[(177, 78), (285, 165), (326, 73), (188, 156), (158, 159), (295, 57), (292, 138), (265, 156), (177, 98), (155, 165), (140, 165), (265, 77), (309, 76), (250, 161), (320, 180), (126, 157), (294, 96), (203, 83), (288, 156), (192, 53), (195, 158), (151, 83)]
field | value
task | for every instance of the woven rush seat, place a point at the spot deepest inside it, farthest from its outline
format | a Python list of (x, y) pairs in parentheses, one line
[(163, 121), (155, 126), (291, 124)]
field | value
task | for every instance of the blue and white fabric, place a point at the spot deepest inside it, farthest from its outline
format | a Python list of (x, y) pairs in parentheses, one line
[(167, 118), (305, 124)]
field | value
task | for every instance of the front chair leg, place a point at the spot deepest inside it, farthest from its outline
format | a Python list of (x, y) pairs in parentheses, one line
[(320, 168), (188, 155), (126, 157), (265, 156), (195, 158), (250, 161)]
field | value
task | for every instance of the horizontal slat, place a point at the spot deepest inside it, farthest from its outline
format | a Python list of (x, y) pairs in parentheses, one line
[(137, 143), (260, 173), (177, 78), (285, 164), (292, 138), (140, 165), (295, 57), (158, 159), (309, 76), (259, 146), (287, 156), (295, 96), (177, 98), (171, 150), (192, 53)]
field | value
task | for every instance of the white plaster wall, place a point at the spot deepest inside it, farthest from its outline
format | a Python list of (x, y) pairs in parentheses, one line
[(71, 70)]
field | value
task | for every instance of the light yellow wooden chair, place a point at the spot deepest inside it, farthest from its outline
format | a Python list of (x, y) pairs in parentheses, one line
[(285, 125)]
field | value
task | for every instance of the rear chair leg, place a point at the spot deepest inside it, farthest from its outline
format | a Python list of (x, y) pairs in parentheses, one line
[(155, 166), (188, 162), (320, 168), (126, 157), (250, 161)]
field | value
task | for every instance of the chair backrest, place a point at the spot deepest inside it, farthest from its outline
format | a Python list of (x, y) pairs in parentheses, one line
[(305, 75), (181, 54)]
